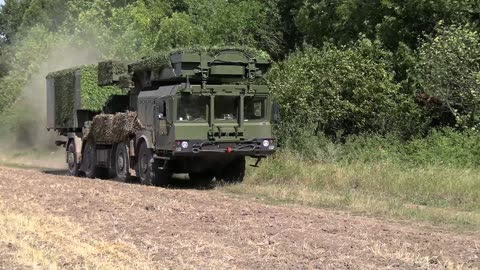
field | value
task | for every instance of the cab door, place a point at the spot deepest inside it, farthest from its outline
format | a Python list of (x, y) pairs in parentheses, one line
[(162, 122)]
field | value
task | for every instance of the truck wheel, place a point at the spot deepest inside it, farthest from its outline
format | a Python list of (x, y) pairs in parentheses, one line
[(235, 171), (72, 160), (121, 163), (90, 161), (148, 171)]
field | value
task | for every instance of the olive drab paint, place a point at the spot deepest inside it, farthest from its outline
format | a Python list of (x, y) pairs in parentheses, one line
[(199, 111)]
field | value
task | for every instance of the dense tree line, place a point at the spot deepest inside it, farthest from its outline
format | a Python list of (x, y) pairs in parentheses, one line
[(342, 67)]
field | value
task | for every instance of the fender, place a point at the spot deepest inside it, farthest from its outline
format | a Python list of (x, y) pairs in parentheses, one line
[(147, 137)]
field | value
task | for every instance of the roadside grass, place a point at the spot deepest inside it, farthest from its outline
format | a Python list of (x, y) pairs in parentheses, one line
[(32, 239), (437, 194)]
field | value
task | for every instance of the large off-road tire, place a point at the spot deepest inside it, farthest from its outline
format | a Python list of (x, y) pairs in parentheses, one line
[(148, 169), (90, 162), (121, 162), (72, 160), (234, 172)]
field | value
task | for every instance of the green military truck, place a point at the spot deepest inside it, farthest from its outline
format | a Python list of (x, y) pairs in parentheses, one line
[(200, 112)]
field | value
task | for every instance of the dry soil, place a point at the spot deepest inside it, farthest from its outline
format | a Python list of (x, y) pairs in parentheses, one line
[(185, 228)]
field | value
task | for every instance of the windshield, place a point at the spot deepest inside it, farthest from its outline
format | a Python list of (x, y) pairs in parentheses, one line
[(192, 108), (226, 108), (255, 108), (196, 108)]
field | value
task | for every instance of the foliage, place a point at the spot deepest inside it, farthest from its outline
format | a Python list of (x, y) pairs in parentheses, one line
[(391, 21), (348, 90), (448, 67), (11, 18), (433, 178), (29, 55), (351, 66), (444, 147), (433, 192), (245, 23)]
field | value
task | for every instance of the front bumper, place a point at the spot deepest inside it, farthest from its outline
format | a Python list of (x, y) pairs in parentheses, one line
[(255, 148)]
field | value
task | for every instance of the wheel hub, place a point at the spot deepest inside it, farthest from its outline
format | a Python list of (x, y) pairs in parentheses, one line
[(71, 159), (144, 164), (121, 162)]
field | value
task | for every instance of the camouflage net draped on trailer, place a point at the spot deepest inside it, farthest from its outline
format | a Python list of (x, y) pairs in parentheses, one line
[(91, 96), (64, 88), (113, 128), (111, 71)]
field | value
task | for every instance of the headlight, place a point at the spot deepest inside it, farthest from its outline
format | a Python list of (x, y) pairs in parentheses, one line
[(266, 143), (184, 145)]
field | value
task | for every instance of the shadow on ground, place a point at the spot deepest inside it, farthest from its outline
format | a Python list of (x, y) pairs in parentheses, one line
[(177, 182)]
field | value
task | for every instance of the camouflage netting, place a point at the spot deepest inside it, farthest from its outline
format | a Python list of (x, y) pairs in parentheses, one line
[(92, 96), (162, 59), (110, 129), (64, 96), (110, 72)]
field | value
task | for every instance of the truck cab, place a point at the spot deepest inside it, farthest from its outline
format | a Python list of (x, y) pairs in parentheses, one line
[(207, 132)]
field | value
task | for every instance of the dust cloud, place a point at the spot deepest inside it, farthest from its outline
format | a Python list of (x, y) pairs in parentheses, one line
[(28, 116)]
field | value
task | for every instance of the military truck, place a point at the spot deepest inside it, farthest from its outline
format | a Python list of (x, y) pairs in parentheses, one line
[(200, 112)]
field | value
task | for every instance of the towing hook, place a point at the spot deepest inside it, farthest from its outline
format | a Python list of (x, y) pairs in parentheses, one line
[(195, 150)]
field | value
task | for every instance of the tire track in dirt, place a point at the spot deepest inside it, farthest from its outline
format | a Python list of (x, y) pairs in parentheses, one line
[(210, 229)]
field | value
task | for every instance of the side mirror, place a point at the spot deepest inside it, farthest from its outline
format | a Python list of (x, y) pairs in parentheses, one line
[(276, 113)]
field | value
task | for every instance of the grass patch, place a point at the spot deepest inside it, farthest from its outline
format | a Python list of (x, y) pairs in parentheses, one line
[(438, 194)]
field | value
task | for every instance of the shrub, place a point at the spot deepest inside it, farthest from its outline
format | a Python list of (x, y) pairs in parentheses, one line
[(448, 67), (341, 91), (445, 147)]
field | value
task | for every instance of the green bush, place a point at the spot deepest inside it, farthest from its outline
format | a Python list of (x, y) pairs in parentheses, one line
[(445, 147), (448, 67), (341, 91)]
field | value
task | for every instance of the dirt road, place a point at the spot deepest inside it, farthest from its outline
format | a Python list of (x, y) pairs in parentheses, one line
[(69, 222)]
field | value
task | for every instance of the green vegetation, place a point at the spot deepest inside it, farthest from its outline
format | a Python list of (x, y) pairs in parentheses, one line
[(380, 99), (448, 67), (433, 179), (341, 92)]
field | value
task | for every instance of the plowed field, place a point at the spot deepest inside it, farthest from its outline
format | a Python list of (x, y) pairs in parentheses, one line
[(54, 221)]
